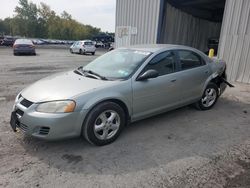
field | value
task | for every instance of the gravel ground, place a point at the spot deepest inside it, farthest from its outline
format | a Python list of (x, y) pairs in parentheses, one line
[(182, 148)]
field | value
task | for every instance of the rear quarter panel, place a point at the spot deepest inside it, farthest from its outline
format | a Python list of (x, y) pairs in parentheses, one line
[(217, 67)]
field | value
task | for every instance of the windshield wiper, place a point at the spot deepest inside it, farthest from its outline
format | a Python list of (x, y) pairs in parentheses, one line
[(94, 73), (77, 71), (82, 72)]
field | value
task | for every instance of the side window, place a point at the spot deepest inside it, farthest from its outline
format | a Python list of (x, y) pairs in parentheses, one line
[(189, 59), (164, 63)]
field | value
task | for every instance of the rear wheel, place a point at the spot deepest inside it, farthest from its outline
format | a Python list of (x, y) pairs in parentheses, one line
[(80, 51), (93, 53), (209, 97), (104, 123)]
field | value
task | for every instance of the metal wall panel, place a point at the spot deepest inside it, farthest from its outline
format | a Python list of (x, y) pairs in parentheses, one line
[(180, 27), (136, 22), (234, 45)]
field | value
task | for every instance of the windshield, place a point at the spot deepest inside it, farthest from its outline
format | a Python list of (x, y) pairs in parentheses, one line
[(118, 64)]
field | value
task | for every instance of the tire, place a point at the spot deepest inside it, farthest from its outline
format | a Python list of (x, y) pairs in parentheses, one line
[(71, 51), (80, 51), (209, 97), (99, 128), (93, 53)]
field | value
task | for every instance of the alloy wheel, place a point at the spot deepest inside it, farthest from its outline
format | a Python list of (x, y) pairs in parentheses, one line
[(209, 98), (107, 124)]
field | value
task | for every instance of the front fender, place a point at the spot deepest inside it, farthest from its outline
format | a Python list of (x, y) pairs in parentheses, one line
[(109, 96)]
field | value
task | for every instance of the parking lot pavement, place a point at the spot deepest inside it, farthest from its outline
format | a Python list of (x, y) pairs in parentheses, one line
[(182, 148)]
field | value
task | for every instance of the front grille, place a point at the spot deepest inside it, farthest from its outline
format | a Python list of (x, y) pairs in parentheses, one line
[(23, 127), (19, 112), (26, 103), (44, 130)]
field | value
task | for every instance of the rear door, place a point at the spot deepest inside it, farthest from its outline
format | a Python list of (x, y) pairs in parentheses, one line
[(157, 94), (193, 74)]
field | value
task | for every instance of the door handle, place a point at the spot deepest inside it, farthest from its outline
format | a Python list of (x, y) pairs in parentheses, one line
[(206, 72), (173, 80)]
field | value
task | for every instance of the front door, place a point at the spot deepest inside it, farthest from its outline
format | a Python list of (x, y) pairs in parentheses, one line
[(75, 47)]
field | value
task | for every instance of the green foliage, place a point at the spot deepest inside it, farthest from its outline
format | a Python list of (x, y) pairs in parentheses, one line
[(42, 22)]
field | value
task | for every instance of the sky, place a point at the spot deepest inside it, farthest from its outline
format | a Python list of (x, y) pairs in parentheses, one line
[(98, 13)]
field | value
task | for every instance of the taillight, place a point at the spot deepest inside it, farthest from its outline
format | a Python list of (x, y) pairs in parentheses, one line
[(15, 46), (31, 46)]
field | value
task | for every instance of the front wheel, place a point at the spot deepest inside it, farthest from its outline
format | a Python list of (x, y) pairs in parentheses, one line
[(104, 123), (209, 97)]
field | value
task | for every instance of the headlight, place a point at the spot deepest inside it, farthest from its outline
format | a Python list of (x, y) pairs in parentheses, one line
[(56, 107)]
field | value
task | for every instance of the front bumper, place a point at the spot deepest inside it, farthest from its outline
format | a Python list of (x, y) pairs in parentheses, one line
[(47, 126)]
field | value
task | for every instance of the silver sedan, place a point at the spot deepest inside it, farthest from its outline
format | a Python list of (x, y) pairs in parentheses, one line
[(122, 86)]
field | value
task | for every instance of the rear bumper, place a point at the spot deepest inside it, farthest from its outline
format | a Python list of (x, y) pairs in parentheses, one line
[(24, 51), (223, 87), (90, 50)]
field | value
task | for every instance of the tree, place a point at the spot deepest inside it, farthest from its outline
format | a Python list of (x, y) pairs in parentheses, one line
[(26, 18), (66, 15), (42, 22)]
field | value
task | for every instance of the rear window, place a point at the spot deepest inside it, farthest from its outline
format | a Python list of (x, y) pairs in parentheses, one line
[(23, 41), (88, 43)]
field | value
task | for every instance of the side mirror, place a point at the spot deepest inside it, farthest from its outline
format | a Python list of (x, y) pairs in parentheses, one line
[(151, 73)]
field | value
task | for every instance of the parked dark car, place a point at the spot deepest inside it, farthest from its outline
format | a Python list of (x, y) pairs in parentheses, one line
[(24, 46), (111, 47), (1, 40), (8, 41)]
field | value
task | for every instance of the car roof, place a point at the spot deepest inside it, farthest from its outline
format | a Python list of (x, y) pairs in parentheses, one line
[(157, 47)]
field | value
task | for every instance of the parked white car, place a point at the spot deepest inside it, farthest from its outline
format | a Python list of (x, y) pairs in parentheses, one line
[(83, 47)]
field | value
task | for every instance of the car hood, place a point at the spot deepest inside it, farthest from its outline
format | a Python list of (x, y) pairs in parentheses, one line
[(62, 86)]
